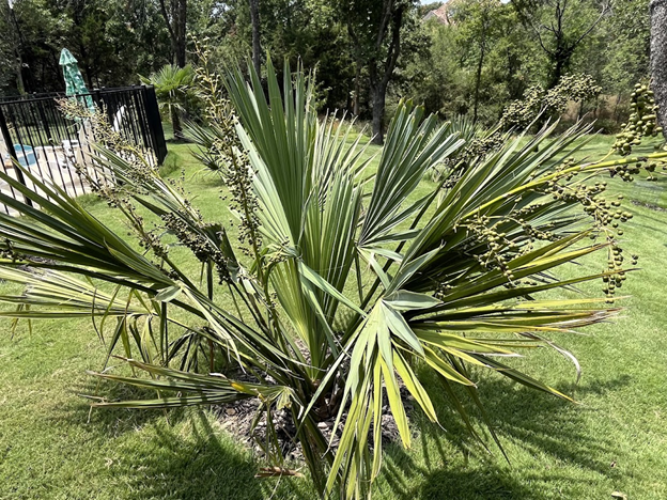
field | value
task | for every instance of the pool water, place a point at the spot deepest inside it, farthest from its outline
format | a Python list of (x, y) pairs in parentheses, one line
[(25, 155)]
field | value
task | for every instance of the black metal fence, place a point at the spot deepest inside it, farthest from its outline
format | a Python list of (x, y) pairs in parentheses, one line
[(38, 135)]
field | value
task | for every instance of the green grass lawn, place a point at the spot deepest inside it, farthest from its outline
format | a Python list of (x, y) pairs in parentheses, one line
[(615, 439)]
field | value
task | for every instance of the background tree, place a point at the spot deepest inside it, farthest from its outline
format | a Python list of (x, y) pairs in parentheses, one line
[(514, 55), (475, 22), (627, 50), (485, 57), (7, 54), (435, 78), (308, 32), (256, 47), (659, 58), (560, 27), (375, 29), (452, 77), (41, 32), (175, 14), (112, 39), (12, 43), (425, 8)]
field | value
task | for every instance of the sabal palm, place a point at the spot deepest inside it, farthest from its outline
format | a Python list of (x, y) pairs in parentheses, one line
[(172, 86), (352, 278)]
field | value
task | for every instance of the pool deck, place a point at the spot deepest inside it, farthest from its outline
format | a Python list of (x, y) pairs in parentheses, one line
[(54, 166)]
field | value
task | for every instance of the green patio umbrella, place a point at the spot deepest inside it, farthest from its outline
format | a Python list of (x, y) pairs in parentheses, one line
[(74, 85)]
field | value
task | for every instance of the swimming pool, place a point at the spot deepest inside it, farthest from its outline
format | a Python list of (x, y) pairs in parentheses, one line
[(25, 155)]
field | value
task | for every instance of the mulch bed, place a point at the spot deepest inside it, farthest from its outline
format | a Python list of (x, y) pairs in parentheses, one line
[(237, 418)]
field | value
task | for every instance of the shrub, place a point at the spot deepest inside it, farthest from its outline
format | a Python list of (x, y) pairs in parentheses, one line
[(333, 298), (173, 90)]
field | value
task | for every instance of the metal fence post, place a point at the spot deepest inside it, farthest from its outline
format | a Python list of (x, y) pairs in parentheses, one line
[(155, 123), (42, 116), (6, 136)]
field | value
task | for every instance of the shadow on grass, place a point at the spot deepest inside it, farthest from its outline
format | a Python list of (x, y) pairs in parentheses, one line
[(176, 455), (110, 422), (191, 464), (191, 460), (463, 484), (195, 462), (536, 422)]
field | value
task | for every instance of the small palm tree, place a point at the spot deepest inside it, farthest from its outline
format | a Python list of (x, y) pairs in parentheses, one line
[(346, 278), (172, 85)]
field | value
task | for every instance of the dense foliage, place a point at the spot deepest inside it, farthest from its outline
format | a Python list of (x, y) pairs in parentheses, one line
[(345, 282), (486, 56)]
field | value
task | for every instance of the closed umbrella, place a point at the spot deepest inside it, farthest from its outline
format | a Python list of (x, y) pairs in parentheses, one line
[(74, 84)]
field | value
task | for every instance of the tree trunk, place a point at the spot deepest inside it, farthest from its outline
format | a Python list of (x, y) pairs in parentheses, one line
[(20, 84), (83, 63), (659, 59), (380, 77), (480, 65), (176, 124), (558, 71), (379, 96), (17, 43), (357, 87), (256, 47), (177, 26), (180, 31), (617, 105)]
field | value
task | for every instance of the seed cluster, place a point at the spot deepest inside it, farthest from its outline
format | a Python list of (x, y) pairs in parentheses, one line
[(606, 215), (245, 204), (615, 276), (494, 245), (643, 121), (221, 145), (225, 150), (200, 245), (481, 147), (537, 101), (488, 242), (139, 178)]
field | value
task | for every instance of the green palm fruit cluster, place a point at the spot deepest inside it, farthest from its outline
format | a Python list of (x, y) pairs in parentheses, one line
[(615, 276), (642, 122), (538, 102), (607, 214)]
